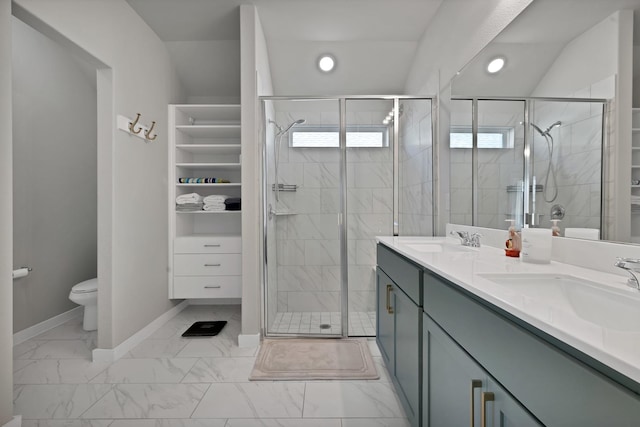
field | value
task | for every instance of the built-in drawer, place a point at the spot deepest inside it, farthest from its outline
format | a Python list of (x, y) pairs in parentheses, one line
[(207, 245), (403, 272), (207, 264), (208, 287)]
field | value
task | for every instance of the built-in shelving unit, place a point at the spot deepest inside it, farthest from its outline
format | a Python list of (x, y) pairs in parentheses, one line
[(205, 246), (635, 175)]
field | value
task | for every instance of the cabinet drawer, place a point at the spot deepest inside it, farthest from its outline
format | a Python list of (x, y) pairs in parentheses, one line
[(403, 272), (208, 287), (207, 264), (207, 245)]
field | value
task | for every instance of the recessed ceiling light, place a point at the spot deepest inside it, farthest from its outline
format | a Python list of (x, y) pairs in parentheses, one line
[(495, 65), (326, 63)]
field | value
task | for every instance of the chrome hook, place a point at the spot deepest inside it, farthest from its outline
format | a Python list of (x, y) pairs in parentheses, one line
[(133, 125), (147, 134)]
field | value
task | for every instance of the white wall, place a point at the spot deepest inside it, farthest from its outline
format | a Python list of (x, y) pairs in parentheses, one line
[(255, 81), (589, 58), (6, 232), (132, 206), (54, 170)]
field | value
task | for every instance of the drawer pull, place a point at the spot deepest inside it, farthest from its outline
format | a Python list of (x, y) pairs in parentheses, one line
[(474, 385), (212, 265), (213, 287), (487, 396), (389, 308), (211, 246)]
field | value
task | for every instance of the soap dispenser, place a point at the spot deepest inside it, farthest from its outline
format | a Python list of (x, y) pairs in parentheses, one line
[(513, 243), (555, 230)]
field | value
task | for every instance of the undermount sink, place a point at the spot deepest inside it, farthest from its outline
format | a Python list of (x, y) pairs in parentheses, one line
[(607, 307), (433, 246)]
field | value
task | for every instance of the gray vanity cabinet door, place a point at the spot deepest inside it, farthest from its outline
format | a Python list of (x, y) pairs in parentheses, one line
[(385, 320), (455, 387), (505, 411), (407, 353), (452, 381)]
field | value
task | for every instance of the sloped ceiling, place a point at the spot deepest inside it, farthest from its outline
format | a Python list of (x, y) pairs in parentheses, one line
[(375, 41), (531, 44)]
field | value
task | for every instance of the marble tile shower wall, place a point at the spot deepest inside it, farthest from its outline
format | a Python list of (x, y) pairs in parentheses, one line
[(577, 156), (308, 239), (497, 169), (416, 169)]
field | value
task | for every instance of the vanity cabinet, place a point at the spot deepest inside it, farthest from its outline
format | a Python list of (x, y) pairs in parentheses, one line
[(456, 389), (399, 326), (473, 355), (548, 378)]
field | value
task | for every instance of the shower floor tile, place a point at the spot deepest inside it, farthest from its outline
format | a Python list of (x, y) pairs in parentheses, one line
[(360, 323)]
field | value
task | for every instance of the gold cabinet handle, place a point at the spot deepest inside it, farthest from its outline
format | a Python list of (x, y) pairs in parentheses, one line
[(474, 385), (487, 396), (389, 308), (212, 265)]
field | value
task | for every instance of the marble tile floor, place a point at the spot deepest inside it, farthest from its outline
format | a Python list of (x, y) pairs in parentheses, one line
[(361, 324), (170, 381)]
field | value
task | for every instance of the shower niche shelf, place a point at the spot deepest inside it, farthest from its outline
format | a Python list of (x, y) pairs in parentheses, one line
[(204, 246)]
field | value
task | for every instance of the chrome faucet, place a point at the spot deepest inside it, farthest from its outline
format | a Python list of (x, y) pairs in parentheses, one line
[(472, 240), (632, 265)]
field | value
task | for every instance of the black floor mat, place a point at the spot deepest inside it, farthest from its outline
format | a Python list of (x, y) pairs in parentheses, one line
[(205, 329)]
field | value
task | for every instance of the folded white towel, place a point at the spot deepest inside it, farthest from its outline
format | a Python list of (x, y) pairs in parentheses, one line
[(217, 205), (215, 198), (213, 208), (188, 198)]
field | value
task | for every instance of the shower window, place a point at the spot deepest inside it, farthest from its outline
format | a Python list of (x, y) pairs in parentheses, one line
[(488, 137), (328, 136)]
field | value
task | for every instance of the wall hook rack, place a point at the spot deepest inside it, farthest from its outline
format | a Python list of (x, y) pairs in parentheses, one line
[(128, 125)]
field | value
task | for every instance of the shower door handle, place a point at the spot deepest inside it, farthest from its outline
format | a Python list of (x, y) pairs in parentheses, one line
[(272, 212)]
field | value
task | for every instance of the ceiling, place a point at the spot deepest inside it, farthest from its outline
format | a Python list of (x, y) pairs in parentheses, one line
[(532, 43), (374, 41)]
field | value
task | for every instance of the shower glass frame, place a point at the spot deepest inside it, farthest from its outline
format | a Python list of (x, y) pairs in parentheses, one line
[(344, 285), (529, 106)]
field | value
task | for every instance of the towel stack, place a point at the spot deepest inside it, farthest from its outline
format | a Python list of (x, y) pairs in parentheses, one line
[(189, 202), (214, 203), (232, 203)]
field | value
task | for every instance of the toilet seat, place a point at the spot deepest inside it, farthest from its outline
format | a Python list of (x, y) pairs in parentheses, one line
[(85, 287)]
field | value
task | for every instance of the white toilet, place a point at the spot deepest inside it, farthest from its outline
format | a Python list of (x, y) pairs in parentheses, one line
[(86, 293)]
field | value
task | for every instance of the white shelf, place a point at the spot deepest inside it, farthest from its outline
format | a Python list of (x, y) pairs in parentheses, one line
[(211, 148), (209, 165), (211, 112), (231, 184), (210, 131), (206, 212)]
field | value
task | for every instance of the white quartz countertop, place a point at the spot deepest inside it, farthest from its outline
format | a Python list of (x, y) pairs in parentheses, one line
[(614, 343)]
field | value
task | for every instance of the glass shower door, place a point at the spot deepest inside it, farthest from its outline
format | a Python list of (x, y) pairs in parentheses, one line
[(302, 218), (369, 186)]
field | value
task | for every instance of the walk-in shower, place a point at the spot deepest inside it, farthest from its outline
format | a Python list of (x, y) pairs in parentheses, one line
[(530, 160), (338, 174)]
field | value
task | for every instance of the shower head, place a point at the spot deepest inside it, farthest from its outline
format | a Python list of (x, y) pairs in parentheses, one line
[(297, 122), (558, 123)]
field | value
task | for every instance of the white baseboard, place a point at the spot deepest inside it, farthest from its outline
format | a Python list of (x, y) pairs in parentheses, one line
[(35, 330), (15, 422), (215, 301), (110, 355), (248, 340)]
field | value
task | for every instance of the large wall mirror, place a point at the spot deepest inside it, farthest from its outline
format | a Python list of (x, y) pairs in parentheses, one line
[(551, 134)]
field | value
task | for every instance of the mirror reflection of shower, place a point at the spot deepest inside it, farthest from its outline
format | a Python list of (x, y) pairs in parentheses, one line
[(280, 133), (551, 173)]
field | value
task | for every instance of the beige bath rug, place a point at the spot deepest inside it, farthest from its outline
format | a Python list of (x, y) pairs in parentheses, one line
[(314, 359)]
